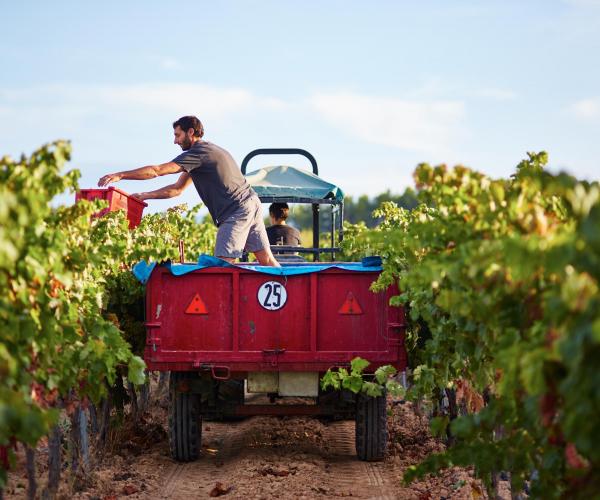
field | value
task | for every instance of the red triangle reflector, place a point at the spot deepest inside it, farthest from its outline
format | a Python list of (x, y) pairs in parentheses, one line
[(350, 305), (196, 306)]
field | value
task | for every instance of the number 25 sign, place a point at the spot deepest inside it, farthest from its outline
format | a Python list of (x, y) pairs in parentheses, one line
[(272, 295)]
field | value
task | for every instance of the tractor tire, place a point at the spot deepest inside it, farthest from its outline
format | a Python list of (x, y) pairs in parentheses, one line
[(185, 420), (371, 428)]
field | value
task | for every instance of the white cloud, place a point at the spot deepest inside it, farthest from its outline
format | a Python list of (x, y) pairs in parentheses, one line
[(420, 125), (586, 108), (423, 125), (114, 124), (129, 118), (176, 98), (498, 94)]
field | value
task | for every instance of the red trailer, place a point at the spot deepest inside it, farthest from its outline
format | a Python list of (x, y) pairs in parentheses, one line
[(226, 332)]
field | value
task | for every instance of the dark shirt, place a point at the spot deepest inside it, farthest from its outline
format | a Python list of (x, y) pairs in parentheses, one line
[(282, 234), (217, 178)]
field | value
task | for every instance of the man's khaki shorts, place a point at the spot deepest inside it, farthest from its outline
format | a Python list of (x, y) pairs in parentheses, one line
[(242, 230)]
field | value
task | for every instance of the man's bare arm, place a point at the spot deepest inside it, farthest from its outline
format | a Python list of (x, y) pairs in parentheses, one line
[(142, 173), (168, 191)]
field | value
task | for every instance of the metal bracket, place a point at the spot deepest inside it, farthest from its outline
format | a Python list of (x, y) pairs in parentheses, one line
[(213, 372), (273, 351)]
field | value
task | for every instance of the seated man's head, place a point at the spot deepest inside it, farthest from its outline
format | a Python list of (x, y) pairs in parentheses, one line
[(279, 212)]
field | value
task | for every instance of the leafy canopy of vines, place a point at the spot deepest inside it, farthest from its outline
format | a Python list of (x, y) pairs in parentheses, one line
[(61, 272), (501, 280)]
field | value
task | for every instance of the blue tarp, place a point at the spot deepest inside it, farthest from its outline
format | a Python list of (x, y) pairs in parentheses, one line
[(142, 270)]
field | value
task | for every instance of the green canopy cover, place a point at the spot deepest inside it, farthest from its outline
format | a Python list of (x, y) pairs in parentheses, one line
[(290, 182)]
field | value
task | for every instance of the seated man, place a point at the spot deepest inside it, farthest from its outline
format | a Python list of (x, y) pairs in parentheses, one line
[(279, 232)]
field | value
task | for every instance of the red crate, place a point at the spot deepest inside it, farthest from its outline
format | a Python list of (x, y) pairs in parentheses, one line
[(117, 200)]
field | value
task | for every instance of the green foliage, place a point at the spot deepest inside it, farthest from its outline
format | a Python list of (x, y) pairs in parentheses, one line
[(348, 251), (500, 279), (359, 211), (155, 239), (61, 271), (357, 381), (52, 332)]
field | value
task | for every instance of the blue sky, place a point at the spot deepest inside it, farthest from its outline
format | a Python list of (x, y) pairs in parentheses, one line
[(370, 88)]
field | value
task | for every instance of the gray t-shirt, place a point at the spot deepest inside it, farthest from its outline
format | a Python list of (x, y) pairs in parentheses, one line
[(217, 178)]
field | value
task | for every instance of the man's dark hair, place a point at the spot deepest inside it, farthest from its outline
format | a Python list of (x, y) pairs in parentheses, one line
[(187, 122), (279, 210)]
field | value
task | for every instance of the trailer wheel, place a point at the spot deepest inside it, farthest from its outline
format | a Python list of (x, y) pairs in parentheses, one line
[(185, 421), (371, 427)]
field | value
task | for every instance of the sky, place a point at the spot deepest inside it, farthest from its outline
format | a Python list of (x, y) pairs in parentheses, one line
[(371, 89)]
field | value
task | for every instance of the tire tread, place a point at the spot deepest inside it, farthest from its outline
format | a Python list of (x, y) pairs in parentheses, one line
[(371, 427), (185, 425)]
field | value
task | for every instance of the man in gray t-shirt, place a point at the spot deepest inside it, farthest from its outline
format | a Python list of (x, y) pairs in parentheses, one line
[(232, 203)]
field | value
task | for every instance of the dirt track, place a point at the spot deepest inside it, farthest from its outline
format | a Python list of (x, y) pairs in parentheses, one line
[(301, 457), (262, 457)]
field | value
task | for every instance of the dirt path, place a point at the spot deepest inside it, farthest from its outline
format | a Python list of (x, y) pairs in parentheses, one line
[(261, 458), (298, 457)]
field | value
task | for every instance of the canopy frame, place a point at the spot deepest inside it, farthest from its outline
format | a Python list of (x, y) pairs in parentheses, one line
[(337, 205)]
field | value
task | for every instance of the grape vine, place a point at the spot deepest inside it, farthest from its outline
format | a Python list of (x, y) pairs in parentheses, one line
[(504, 275), (62, 273)]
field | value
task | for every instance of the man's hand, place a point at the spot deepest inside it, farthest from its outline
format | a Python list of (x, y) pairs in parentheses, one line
[(139, 196), (109, 179)]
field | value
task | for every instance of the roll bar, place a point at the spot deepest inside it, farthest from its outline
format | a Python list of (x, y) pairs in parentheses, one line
[(280, 151)]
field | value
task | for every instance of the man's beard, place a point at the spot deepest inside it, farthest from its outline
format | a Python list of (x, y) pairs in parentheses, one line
[(186, 144)]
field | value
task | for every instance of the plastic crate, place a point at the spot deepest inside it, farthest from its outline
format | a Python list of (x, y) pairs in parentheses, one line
[(117, 200)]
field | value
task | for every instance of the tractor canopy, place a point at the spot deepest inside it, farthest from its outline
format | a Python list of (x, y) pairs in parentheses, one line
[(283, 184), (294, 185)]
